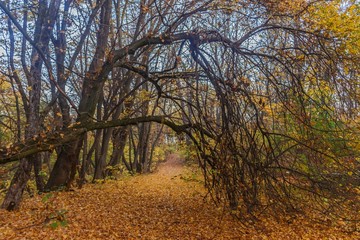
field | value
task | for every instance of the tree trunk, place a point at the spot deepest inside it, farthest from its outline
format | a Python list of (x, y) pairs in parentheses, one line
[(40, 184), (153, 145), (43, 27), (100, 164), (143, 147), (119, 142), (17, 186), (65, 166)]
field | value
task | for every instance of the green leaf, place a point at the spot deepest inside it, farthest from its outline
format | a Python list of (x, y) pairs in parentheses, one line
[(46, 197), (54, 225), (63, 223)]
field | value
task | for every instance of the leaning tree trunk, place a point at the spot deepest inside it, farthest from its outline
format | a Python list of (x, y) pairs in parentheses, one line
[(65, 166), (43, 25), (17, 186)]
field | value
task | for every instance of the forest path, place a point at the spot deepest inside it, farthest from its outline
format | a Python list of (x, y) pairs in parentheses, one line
[(167, 204), (173, 166)]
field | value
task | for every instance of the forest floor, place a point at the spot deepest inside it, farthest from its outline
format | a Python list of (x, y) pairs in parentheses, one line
[(167, 204)]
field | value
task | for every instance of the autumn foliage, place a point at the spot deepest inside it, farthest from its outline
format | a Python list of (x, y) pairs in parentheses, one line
[(169, 204), (262, 95)]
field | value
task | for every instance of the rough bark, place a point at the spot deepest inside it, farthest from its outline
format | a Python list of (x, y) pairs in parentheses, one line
[(43, 27), (119, 142), (17, 186), (93, 82)]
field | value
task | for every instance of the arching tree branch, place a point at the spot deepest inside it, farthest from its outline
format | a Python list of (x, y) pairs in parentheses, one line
[(47, 142)]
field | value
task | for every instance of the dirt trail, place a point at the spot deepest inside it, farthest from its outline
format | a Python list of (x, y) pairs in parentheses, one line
[(172, 167), (167, 204)]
